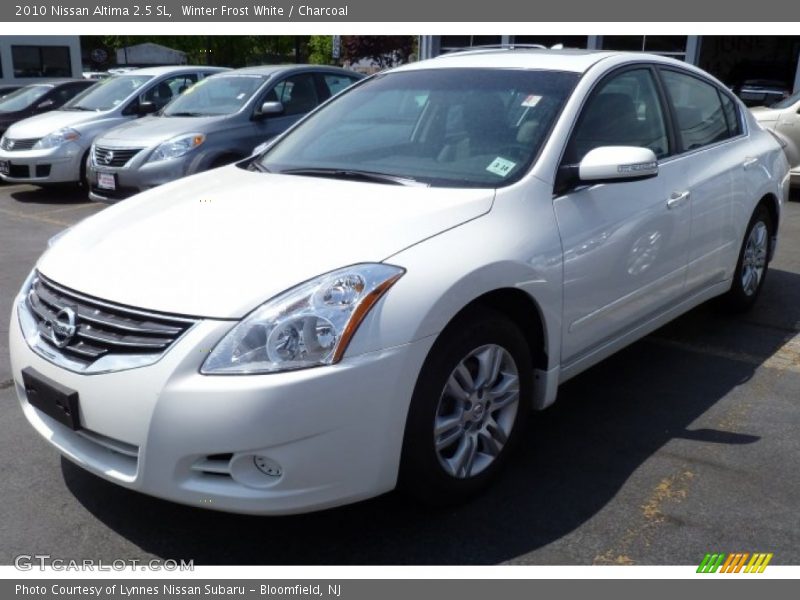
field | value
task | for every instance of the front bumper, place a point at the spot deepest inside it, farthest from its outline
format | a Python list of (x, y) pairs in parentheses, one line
[(335, 433), (137, 176), (53, 165)]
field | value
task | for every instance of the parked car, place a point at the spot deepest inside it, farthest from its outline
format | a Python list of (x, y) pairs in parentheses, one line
[(381, 297), (52, 148), (783, 120), (38, 98), (5, 90), (761, 92), (216, 122)]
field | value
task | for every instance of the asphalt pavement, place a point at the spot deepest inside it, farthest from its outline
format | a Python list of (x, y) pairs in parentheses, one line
[(684, 443)]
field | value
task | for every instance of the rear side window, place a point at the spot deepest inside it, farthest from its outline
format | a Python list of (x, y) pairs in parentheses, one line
[(731, 115), (624, 111), (337, 83), (698, 110)]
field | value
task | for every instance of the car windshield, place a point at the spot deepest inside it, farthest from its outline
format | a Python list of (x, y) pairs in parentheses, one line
[(221, 95), (107, 93), (787, 102), (23, 98), (441, 127)]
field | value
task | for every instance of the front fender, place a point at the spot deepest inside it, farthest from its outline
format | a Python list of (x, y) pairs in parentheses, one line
[(516, 245)]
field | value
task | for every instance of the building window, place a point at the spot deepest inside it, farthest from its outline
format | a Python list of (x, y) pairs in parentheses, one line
[(567, 41), (458, 42), (41, 61), (666, 45)]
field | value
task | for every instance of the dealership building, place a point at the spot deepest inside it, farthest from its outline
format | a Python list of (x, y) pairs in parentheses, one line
[(733, 59), (27, 59)]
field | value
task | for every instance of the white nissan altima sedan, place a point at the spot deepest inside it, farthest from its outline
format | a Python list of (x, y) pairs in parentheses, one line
[(379, 298)]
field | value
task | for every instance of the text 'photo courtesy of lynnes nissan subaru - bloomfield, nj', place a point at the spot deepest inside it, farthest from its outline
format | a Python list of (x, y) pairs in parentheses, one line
[(379, 297)]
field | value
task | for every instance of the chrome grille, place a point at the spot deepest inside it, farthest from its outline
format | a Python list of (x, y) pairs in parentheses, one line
[(113, 157), (85, 329), (15, 145)]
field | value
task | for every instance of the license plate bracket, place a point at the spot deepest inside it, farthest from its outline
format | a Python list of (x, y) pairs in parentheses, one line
[(52, 398)]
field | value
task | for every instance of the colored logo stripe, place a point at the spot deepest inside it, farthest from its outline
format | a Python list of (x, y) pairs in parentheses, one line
[(735, 562)]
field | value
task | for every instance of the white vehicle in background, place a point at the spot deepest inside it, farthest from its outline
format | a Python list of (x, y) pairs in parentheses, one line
[(52, 148), (783, 120), (381, 296)]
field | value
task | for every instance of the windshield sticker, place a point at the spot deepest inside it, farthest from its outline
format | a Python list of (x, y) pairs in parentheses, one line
[(500, 166), (531, 101)]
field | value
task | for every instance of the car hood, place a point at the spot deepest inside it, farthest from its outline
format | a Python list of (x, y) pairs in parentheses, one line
[(220, 243), (764, 113), (45, 123), (154, 130)]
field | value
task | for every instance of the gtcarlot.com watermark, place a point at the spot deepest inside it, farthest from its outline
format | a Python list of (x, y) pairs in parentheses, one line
[(42, 562)]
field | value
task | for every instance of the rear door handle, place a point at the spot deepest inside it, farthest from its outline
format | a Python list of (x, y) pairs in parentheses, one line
[(678, 198), (749, 162)]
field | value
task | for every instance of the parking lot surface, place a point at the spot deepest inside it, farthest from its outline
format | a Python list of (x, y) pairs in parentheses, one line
[(684, 443)]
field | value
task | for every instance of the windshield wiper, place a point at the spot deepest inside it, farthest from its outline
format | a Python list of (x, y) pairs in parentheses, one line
[(258, 167), (78, 107), (355, 174), (186, 114)]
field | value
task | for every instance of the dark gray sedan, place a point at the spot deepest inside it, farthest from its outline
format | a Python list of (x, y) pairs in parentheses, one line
[(215, 122)]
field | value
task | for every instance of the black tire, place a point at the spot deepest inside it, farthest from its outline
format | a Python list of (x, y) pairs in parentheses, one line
[(422, 471), (741, 298), (83, 181)]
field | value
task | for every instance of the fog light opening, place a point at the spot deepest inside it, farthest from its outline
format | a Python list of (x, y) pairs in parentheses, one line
[(267, 466)]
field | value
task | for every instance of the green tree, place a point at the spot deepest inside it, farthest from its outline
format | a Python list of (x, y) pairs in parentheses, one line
[(320, 50), (383, 50)]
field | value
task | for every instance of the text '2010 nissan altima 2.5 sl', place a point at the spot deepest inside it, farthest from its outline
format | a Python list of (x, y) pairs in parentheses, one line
[(380, 297)]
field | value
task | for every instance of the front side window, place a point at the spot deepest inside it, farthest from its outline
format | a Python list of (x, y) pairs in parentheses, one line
[(698, 110), (443, 127), (108, 93), (297, 93), (167, 89), (625, 110)]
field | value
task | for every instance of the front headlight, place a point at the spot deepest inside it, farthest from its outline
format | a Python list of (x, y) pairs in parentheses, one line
[(55, 139), (177, 147), (307, 326)]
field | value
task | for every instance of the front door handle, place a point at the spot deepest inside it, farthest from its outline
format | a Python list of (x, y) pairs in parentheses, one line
[(749, 162), (678, 198)]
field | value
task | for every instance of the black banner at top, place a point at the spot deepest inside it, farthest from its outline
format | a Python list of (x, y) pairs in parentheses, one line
[(396, 11)]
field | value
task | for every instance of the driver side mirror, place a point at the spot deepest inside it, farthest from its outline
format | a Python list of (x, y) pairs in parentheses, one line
[(45, 105), (608, 164), (270, 108)]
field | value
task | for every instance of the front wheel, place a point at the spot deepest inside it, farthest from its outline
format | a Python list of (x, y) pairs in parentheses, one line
[(751, 269), (469, 404)]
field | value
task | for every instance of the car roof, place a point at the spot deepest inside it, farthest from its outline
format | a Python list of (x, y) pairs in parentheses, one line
[(158, 71), (568, 59), (269, 70)]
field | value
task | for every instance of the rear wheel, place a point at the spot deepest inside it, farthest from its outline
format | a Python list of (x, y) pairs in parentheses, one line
[(751, 269), (469, 404)]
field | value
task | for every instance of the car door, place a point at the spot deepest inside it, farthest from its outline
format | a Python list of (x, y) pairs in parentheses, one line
[(716, 158), (624, 244)]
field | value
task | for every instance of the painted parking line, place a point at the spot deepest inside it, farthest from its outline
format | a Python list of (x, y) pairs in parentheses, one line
[(42, 218)]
